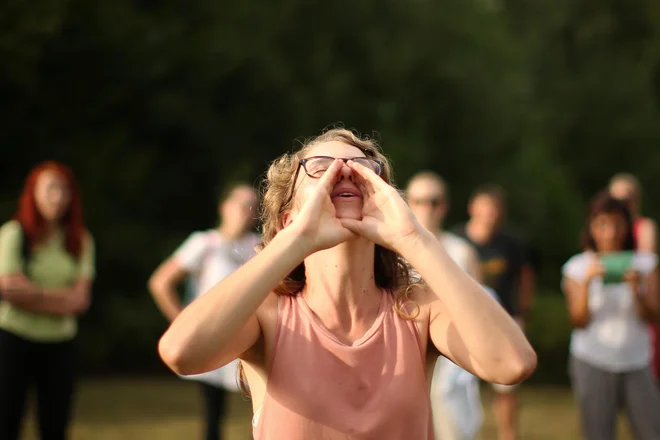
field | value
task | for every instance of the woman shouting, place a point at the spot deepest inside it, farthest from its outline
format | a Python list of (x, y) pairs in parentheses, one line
[(332, 330)]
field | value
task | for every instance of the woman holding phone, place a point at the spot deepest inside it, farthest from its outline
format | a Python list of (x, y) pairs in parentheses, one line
[(611, 296)]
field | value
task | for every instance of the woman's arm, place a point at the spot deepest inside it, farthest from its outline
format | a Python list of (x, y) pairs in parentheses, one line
[(18, 290), (162, 286), (577, 301), (645, 293), (466, 323), (222, 324), (576, 283), (73, 300)]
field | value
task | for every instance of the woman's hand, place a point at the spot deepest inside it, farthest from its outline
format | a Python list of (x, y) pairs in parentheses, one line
[(317, 221), (633, 278), (386, 218), (594, 270), (17, 288)]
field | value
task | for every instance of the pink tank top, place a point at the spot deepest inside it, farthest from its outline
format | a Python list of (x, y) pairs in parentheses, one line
[(320, 388)]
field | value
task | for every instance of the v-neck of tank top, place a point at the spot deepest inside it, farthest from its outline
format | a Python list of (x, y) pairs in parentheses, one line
[(318, 324)]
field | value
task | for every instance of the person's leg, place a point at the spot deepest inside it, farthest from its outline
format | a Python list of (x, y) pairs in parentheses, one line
[(642, 404), (56, 375), (506, 411), (214, 409), (14, 383), (598, 394)]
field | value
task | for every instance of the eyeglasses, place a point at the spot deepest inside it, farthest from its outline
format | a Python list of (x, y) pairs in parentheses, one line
[(316, 166)]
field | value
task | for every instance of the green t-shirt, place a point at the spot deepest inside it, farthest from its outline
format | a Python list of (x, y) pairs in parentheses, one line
[(49, 266)]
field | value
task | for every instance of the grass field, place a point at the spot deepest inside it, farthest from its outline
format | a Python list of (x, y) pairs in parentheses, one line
[(163, 409)]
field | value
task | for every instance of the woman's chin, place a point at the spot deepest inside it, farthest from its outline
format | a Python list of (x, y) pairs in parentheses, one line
[(346, 212)]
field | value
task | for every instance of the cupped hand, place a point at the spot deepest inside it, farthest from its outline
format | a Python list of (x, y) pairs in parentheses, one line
[(317, 222), (386, 217)]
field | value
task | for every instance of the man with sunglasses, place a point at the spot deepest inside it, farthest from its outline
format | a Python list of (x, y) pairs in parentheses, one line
[(457, 413)]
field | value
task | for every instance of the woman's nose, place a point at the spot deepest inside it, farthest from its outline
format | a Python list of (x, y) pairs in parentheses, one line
[(56, 196), (345, 172)]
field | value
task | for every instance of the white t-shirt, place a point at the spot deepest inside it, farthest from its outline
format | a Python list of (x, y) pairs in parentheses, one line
[(210, 258), (458, 249), (615, 339)]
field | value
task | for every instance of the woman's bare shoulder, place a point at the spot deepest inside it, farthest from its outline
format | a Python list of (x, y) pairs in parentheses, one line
[(422, 295), (268, 308), (266, 315)]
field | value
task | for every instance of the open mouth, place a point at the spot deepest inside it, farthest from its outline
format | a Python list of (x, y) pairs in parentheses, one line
[(346, 193)]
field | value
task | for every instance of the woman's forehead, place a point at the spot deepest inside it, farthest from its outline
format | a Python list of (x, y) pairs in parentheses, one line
[(335, 149), (48, 176), (608, 216)]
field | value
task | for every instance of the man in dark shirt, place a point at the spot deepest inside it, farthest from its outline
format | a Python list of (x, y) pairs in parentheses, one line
[(505, 268)]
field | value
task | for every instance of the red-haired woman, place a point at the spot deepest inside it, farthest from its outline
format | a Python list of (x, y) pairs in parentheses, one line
[(46, 270)]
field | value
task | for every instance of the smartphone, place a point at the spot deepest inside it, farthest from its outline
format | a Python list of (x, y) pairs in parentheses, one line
[(616, 264)]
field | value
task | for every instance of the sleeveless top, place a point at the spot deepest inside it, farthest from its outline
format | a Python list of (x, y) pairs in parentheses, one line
[(321, 388)]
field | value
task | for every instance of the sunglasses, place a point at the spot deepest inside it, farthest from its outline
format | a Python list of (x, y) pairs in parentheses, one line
[(432, 201)]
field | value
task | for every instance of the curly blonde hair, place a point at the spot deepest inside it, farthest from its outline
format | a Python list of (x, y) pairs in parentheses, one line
[(391, 271)]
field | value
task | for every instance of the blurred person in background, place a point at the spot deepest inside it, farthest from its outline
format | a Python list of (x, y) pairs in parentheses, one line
[(627, 188), (46, 273), (455, 401), (204, 259), (609, 309), (333, 334), (505, 268)]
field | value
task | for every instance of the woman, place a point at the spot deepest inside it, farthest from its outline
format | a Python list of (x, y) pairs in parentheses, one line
[(331, 332), (610, 354), (205, 258), (46, 272), (627, 188)]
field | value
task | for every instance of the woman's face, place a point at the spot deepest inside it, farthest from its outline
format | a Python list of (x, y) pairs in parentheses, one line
[(346, 195), (609, 232), (240, 208), (52, 195)]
